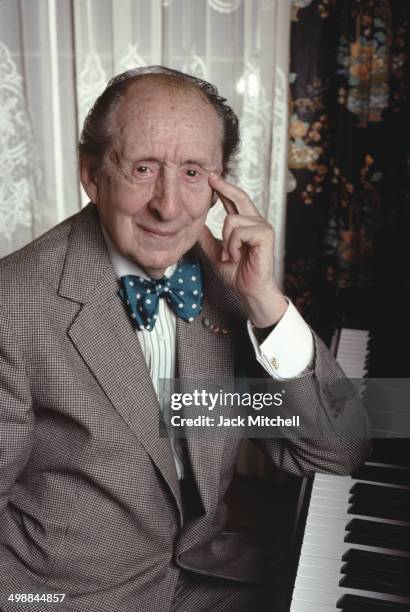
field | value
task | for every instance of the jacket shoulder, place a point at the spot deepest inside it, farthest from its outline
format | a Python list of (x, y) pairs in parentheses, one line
[(38, 262)]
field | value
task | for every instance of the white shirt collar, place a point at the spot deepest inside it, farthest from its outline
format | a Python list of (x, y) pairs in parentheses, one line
[(123, 266)]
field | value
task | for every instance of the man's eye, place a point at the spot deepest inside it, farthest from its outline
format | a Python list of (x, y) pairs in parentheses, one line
[(192, 173), (142, 169)]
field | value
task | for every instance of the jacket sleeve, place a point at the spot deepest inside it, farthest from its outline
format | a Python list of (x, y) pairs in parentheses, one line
[(16, 416), (16, 436), (334, 429)]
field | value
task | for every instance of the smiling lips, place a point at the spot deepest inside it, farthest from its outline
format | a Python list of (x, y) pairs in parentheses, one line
[(157, 232)]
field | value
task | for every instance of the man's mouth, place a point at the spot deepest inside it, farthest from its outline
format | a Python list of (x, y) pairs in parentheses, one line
[(157, 232)]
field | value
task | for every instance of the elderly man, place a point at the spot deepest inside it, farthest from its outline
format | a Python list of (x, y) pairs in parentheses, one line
[(100, 513)]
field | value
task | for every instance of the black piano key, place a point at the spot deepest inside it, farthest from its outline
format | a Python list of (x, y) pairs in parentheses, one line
[(360, 577), (381, 510), (368, 572), (366, 540), (373, 533), (391, 451), (396, 508), (393, 498), (355, 603), (377, 560), (370, 491), (382, 502), (385, 585), (380, 543), (382, 474)]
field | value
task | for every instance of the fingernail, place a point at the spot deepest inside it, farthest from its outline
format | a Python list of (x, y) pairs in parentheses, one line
[(224, 255)]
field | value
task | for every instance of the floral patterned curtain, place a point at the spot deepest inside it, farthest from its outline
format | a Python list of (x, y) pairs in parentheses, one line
[(348, 222)]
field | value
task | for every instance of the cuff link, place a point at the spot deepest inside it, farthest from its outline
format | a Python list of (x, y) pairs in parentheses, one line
[(274, 363)]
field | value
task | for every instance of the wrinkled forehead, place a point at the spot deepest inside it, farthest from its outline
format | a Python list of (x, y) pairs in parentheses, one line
[(166, 113)]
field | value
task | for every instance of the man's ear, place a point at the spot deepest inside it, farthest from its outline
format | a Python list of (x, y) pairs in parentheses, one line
[(88, 178)]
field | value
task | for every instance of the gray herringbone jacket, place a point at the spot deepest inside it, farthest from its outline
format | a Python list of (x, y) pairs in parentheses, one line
[(89, 497)]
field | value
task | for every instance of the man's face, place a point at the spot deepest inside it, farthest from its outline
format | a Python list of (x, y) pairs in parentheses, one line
[(152, 189)]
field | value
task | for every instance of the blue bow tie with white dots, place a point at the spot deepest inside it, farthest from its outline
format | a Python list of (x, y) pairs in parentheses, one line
[(183, 293)]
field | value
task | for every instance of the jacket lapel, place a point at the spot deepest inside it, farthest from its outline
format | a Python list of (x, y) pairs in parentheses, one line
[(104, 337)]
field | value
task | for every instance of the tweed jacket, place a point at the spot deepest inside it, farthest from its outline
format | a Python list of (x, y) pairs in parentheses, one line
[(90, 502)]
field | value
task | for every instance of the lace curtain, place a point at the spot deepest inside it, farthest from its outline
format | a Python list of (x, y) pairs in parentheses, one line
[(57, 55)]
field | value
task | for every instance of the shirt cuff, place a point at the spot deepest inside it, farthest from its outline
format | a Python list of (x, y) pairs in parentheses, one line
[(289, 348)]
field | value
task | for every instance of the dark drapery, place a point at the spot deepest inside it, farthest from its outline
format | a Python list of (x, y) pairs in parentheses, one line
[(348, 217)]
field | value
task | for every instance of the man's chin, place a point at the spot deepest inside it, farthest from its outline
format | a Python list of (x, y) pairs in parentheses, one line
[(155, 266)]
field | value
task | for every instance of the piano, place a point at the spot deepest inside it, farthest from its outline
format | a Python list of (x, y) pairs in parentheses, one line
[(352, 536)]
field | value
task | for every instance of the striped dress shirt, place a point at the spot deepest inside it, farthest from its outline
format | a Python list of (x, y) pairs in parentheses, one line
[(291, 339)]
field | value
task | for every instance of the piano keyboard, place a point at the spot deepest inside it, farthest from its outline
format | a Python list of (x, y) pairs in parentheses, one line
[(355, 554), (352, 352)]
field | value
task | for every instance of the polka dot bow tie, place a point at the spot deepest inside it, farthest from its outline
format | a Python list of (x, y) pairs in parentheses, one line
[(182, 291)]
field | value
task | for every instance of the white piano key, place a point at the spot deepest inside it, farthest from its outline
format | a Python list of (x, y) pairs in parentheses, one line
[(332, 574), (315, 597), (326, 505), (320, 548), (305, 606), (326, 520), (329, 502), (358, 340), (349, 365), (334, 485), (317, 519), (349, 354), (349, 348), (331, 488), (349, 342), (335, 542), (319, 562), (363, 349), (325, 531), (331, 479), (347, 362), (323, 592), (348, 332), (356, 374), (318, 509), (330, 491)]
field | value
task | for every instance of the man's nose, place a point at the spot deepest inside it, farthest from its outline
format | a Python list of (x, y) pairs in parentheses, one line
[(166, 200)]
